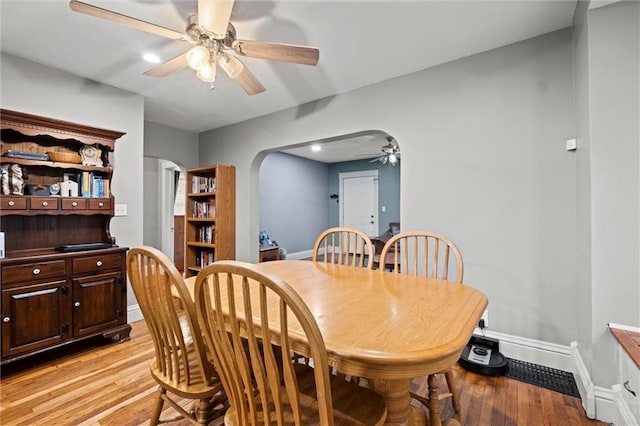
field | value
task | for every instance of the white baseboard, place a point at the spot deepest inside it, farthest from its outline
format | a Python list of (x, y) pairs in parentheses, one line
[(134, 313), (530, 350), (624, 414), (606, 407), (300, 255), (583, 381)]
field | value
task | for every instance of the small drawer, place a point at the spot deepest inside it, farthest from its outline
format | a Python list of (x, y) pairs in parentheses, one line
[(74, 203), (44, 203), (33, 271), (14, 203), (100, 204), (96, 263)]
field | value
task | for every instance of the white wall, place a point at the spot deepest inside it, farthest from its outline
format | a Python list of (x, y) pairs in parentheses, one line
[(583, 182), (37, 89), (162, 142), (169, 143), (484, 162), (614, 115)]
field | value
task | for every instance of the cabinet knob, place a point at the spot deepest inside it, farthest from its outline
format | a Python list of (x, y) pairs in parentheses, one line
[(99, 263), (6, 319), (45, 204), (36, 271), (12, 203), (100, 204), (74, 204), (76, 304)]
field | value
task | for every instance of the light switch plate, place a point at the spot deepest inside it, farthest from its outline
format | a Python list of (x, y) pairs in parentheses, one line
[(120, 210)]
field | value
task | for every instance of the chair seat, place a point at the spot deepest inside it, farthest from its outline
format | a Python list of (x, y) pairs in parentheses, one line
[(352, 404), (194, 388)]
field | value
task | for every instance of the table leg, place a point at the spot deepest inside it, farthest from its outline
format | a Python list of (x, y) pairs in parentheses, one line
[(399, 409)]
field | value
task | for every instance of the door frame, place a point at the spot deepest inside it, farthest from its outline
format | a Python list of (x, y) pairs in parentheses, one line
[(362, 173), (166, 199)]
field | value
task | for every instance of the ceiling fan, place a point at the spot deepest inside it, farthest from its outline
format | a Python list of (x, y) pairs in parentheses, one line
[(215, 43), (390, 153)]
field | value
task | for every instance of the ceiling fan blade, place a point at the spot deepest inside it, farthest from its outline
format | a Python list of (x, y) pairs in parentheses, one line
[(98, 12), (214, 16), (249, 83), (277, 52), (169, 67)]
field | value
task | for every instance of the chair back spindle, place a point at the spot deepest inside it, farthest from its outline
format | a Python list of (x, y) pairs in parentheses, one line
[(248, 338), (423, 253), (344, 246)]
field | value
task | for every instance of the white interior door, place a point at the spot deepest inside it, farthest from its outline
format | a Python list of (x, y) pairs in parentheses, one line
[(359, 201)]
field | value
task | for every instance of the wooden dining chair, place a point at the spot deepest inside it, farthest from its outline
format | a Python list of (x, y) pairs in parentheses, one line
[(249, 319), (344, 246), (431, 255), (180, 366)]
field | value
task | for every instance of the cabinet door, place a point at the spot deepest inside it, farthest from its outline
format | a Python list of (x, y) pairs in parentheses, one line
[(97, 303), (34, 316)]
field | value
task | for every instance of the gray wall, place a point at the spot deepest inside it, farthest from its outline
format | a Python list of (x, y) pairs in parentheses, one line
[(294, 200), (163, 143), (483, 162), (607, 77), (37, 89), (388, 190), (583, 182)]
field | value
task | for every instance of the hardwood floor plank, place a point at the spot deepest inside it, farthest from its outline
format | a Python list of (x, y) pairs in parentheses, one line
[(110, 385)]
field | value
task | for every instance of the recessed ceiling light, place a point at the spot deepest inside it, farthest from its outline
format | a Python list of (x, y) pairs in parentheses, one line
[(150, 57), (316, 147)]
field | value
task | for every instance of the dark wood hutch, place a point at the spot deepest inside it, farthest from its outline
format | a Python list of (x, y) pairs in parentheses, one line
[(53, 297)]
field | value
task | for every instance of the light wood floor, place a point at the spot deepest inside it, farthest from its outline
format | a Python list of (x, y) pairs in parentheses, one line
[(110, 385)]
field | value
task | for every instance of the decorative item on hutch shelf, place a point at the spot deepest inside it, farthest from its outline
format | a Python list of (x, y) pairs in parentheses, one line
[(91, 155), (13, 176), (64, 157)]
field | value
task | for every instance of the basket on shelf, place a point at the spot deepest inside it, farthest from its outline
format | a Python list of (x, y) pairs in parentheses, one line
[(64, 157)]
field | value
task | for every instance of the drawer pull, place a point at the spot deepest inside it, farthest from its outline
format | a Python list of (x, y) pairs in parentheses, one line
[(627, 386), (36, 271), (12, 203), (6, 319), (99, 263), (45, 204), (100, 204), (74, 204), (76, 304)]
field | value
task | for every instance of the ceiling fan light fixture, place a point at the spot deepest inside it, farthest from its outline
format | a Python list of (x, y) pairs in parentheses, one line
[(207, 73), (198, 57), (393, 160), (232, 66)]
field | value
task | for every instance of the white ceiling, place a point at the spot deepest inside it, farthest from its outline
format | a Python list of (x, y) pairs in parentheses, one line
[(361, 43)]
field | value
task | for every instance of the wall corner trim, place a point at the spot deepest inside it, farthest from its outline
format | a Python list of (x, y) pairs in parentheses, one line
[(585, 385)]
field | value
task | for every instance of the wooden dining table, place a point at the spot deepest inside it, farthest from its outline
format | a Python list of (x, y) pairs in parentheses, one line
[(383, 326)]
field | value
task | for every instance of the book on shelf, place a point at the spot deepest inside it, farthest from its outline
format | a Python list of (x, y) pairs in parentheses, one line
[(205, 234), (91, 185), (203, 184), (204, 258), (203, 209)]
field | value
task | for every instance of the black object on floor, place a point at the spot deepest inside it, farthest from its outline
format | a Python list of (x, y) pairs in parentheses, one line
[(482, 356), (539, 375)]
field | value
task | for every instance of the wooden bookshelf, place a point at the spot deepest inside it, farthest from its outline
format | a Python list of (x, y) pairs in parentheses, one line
[(210, 217)]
